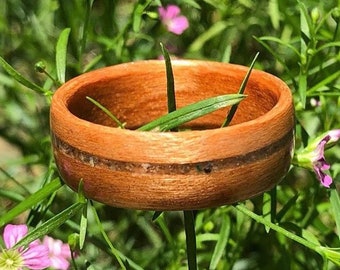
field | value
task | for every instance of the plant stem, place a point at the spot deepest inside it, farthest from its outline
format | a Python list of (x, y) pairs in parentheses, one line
[(190, 237), (277, 228)]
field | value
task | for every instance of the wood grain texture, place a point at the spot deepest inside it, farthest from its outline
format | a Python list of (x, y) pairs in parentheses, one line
[(205, 167)]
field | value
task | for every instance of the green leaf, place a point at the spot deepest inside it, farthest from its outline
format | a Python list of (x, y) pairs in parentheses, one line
[(221, 243), (30, 201), (14, 196), (190, 237), (156, 215), (269, 206), (213, 31), (286, 207), (83, 227), (191, 112), (274, 13), (92, 63), (50, 225), (21, 79), (192, 3), (61, 54), (324, 82), (302, 90), (266, 209), (138, 15), (85, 29), (279, 41), (277, 56), (328, 45), (335, 203), (310, 237)]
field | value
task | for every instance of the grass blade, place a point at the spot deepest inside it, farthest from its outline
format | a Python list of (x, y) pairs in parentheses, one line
[(191, 112), (114, 118), (221, 243), (50, 225), (113, 250), (30, 201), (241, 91)]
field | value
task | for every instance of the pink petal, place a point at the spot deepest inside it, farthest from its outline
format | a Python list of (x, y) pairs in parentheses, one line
[(162, 12), (325, 179), (59, 263), (178, 25), (334, 135), (57, 247), (169, 13), (36, 257), (59, 253), (13, 234)]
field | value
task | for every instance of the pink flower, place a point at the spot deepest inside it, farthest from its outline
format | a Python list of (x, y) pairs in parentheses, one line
[(35, 256), (174, 22), (59, 253), (313, 156)]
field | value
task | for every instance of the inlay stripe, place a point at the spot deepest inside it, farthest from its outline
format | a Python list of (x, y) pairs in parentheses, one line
[(159, 168)]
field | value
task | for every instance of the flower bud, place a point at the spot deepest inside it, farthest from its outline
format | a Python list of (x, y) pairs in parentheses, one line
[(315, 15), (40, 67)]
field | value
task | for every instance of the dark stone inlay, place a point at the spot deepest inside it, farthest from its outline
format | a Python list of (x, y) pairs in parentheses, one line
[(206, 167)]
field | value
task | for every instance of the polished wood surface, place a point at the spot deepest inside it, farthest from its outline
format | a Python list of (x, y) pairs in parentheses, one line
[(204, 166)]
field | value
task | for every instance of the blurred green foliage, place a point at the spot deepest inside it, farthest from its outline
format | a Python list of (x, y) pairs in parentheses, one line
[(297, 41)]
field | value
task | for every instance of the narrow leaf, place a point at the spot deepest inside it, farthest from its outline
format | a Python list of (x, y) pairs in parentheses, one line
[(83, 227), (274, 13), (335, 203), (221, 243), (280, 42), (156, 215), (266, 209), (324, 82), (213, 31), (286, 207), (302, 87), (170, 89), (30, 201), (114, 251), (21, 79), (50, 225), (191, 112), (241, 91), (61, 53), (190, 237), (86, 20)]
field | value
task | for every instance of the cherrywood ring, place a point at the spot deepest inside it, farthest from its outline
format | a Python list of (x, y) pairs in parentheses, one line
[(201, 167)]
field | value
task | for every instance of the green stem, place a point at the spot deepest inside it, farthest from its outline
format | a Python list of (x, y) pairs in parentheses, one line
[(190, 234), (277, 228), (114, 251)]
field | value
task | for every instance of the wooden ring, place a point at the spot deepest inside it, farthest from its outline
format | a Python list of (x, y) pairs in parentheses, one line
[(204, 166)]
